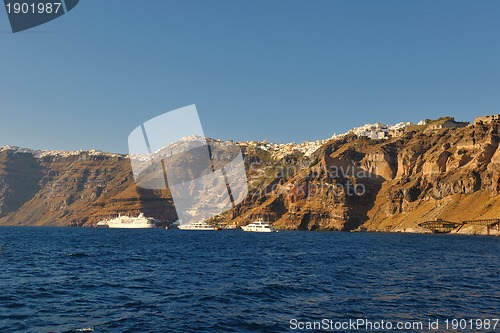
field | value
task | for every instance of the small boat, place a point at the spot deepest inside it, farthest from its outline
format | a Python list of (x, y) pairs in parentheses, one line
[(196, 226), (259, 226)]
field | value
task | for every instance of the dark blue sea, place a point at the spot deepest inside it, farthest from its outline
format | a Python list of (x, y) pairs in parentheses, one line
[(156, 280)]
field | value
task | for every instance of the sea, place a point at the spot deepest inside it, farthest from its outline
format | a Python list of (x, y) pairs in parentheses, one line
[(157, 280)]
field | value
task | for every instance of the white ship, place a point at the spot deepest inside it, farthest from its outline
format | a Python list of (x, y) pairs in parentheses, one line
[(129, 222), (196, 226), (259, 226)]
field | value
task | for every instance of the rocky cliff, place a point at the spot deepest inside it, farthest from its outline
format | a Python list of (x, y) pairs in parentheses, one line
[(425, 174), (346, 183), (77, 188)]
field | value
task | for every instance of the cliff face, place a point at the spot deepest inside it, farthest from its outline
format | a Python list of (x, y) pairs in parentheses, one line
[(448, 174), (20, 176), (425, 174), (345, 184), (72, 189)]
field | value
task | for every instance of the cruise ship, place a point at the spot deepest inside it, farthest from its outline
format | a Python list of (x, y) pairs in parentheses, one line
[(259, 226), (196, 226), (139, 222)]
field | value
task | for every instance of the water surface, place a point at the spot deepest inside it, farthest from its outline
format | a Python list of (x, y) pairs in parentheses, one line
[(155, 280)]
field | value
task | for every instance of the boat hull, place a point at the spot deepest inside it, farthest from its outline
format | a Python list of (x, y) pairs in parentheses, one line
[(188, 227), (251, 229), (119, 225)]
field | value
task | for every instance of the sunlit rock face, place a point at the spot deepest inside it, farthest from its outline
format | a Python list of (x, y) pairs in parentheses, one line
[(343, 183)]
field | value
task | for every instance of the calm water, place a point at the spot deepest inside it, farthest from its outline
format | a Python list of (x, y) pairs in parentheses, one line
[(111, 280)]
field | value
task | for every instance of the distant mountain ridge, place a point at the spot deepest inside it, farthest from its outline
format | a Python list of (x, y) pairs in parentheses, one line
[(409, 173)]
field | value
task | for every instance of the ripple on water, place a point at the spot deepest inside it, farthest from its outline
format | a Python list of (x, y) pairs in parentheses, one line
[(85, 280)]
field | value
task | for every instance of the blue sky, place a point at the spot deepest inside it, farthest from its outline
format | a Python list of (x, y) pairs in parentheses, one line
[(282, 70)]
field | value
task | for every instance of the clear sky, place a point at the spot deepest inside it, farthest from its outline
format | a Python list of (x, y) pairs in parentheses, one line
[(285, 70)]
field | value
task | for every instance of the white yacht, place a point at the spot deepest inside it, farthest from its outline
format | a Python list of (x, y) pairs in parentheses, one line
[(259, 226), (129, 222), (196, 226)]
